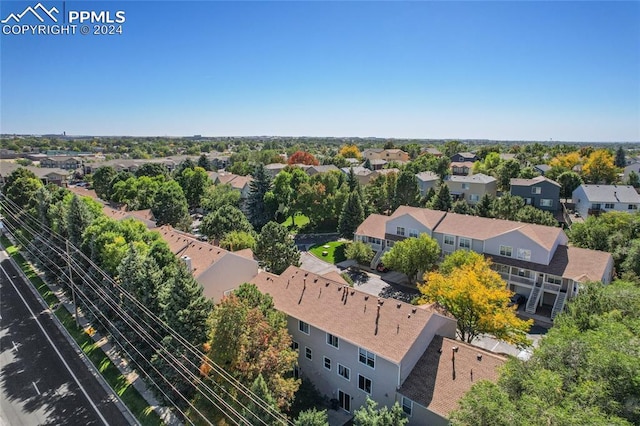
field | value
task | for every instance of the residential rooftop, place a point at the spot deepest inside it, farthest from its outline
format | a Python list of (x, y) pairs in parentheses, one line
[(477, 178), (533, 181), (611, 193)]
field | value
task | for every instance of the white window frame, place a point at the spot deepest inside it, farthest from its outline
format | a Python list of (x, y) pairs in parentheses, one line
[(632, 207), (453, 240), (344, 372), (294, 345), (330, 340), (467, 240), (546, 202), (308, 353), (536, 190), (303, 327), (413, 233), (398, 228), (609, 205), (524, 254), (505, 249), (465, 185), (364, 381), (474, 197), (407, 408), (369, 358), (324, 360)]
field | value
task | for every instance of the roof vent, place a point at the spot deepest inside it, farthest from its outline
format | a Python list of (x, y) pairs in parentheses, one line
[(399, 305), (366, 298), (479, 357), (414, 310), (326, 284)]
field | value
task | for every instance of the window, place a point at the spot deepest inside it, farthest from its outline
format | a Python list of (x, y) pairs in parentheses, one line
[(474, 197), (366, 357), (294, 345), (332, 340), (505, 251), (413, 233), (407, 405), (608, 205), (449, 240), (465, 186), (596, 206), (536, 190), (633, 207), (364, 384), (303, 326), (546, 202), (296, 372), (327, 363), (528, 201), (307, 353), (524, 254), (524, 273), (465, 243), (400, 231), (554, 280), (344, 372)]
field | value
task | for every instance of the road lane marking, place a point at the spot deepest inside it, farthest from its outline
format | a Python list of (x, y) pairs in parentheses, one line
[(34, 385), (104, 421)]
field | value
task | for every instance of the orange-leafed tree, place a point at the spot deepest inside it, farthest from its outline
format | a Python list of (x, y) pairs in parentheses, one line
[(467, 287), (350, 151), (600, 167), (303, 157)]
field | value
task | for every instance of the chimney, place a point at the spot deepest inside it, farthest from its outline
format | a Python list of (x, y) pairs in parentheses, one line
[(187, 262)]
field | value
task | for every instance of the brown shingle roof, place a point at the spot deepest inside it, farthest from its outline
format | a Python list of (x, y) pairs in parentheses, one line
[(482, 228), (373, 226), (84, 192), (533, 181), (574, 263), (438, 383), (427, 217), (389, 331)]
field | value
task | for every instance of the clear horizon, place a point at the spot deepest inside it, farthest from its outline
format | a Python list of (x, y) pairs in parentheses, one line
[(502, 71)]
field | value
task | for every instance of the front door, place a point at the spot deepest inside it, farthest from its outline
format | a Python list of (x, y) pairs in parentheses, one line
[(344, 401)]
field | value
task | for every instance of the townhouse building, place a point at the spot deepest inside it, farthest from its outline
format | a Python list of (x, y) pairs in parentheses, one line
[(61, 162), (539, 192), (471, 188), (590, 200), (463, 157), (427, 181), (385, 154), (534, 260)]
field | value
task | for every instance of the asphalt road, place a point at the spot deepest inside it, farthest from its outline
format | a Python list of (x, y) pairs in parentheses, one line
[(36, 386)]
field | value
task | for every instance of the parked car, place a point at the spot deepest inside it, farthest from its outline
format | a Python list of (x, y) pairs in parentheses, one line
[(381, 268), (517, 300)]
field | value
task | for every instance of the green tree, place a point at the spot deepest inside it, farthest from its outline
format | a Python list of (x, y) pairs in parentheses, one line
[(153, 170), (531, 214), (485, 404), (170, 206), (507, 207), (217, 196), (223, 221), (633, 179), (631, 263), (23, 190), (413, 256), (102, 181), (257, 413), (442, 199), (276, 249), (477, 297), (204, 162), (406, 192), (259, 212), (194, 182), (312, 417), (352, 215), (621, 159), (505, 172), (284, 194), (568, 181), (443, 167), (360, 252), (79, 217), (370, 415), (462, 207), (238, 240)]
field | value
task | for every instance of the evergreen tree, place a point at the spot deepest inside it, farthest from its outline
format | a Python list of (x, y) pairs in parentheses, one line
[(462, 207), (621, 159), (428, 197), (633, 179), (312, 417), (259, 211), (78, 218), (442, 200), (276, 249), (223, 221), (367, 164), (406, 192), (485, 207), (204, 162), (352, 215), (255, 413)]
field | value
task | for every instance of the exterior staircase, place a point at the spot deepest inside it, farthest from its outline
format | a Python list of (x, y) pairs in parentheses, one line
[(534, 298), (376, 258), (558, 306)]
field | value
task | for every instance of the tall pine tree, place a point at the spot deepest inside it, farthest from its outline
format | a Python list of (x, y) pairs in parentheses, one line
[(259, 211), (352, 215)]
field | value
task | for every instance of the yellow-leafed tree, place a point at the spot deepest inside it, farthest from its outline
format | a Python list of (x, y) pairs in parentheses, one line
[(567, 161), (350, 151), (600, 168), (467, 287)]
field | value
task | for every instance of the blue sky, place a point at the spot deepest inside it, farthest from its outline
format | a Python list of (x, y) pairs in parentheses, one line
[(477, 70)]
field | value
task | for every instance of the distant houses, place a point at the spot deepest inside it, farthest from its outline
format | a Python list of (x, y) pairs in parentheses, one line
[(592, 200), (538, 192)]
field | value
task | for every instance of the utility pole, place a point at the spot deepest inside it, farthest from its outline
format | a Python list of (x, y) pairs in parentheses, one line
[(73, 287)]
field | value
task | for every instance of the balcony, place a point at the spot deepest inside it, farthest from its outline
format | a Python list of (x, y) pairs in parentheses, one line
[(516, 279), (554, 288)]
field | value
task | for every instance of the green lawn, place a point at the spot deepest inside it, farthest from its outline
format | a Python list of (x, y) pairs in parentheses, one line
[(130, 396), (335, 252), (301, 222)]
